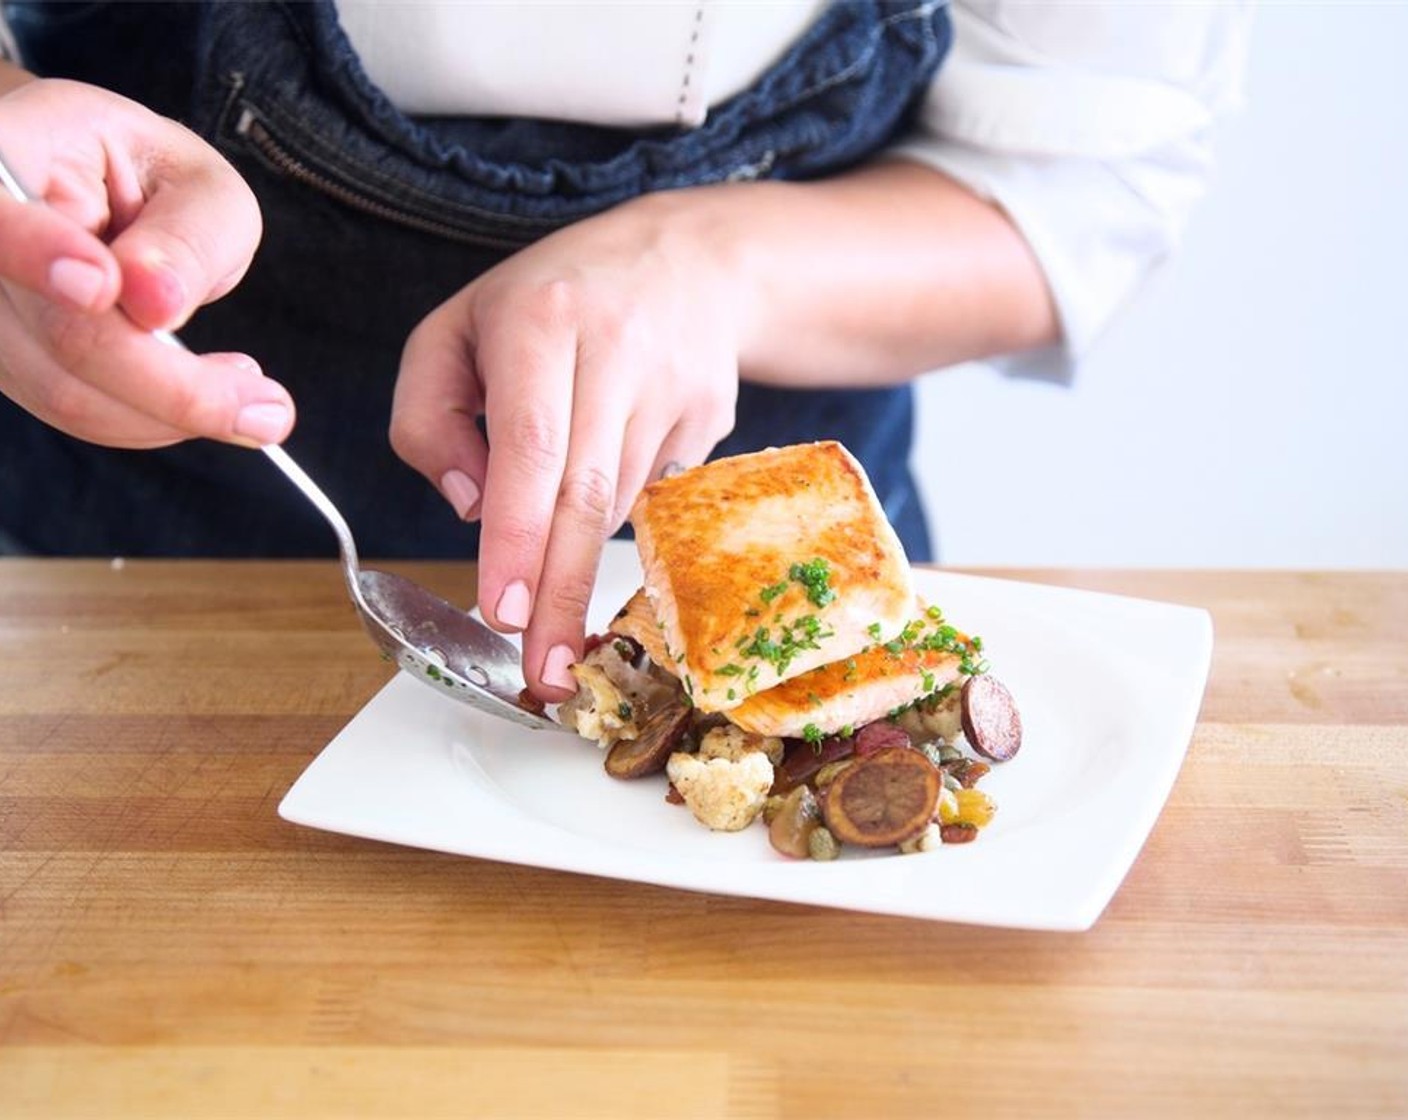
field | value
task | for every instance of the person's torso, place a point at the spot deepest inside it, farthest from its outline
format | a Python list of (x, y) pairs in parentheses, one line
[(373, 216)]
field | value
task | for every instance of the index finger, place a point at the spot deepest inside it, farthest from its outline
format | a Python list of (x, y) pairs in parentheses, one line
[(583, 518), (527, 363), (53, 256), (196, 395)]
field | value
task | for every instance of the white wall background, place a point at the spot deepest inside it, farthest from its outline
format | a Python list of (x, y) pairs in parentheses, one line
[(1251, 409)]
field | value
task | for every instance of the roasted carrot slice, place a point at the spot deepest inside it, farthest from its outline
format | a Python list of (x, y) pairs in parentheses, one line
[(883, 799)]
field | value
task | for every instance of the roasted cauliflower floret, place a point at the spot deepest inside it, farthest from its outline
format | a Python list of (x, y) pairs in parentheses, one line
[(732, 743), (725, 794), (614, 695), (598, 711), (931, 839)]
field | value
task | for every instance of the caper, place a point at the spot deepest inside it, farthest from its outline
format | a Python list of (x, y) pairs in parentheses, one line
[(821, 845)]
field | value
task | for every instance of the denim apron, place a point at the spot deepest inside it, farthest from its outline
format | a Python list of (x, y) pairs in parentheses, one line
[(372, 219)]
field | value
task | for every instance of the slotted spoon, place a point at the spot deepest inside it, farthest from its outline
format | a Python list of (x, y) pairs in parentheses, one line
[(432, 640)]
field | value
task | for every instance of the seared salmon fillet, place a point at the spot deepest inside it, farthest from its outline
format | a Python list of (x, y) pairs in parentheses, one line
[(637, 620), (848, 693), (762, 567), (856, 690)]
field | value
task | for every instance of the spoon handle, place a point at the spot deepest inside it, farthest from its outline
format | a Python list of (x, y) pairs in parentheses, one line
[(347, 547), (7, 177)]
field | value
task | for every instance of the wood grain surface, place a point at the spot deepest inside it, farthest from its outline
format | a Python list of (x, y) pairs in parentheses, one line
[(170, 948)]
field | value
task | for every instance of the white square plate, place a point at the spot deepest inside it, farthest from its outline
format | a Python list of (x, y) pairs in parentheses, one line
[(1109, 689)]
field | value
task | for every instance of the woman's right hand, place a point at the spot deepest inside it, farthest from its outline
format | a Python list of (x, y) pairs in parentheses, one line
[(143, 223)]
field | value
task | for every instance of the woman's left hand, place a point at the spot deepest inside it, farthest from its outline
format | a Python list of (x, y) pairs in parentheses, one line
[(613, 347), (598, 356)]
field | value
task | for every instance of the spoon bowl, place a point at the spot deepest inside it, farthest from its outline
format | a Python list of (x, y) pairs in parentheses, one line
[(437, 643)]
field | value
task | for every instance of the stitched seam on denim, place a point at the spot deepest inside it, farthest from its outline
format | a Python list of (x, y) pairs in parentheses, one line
[(444, 227), (355, 175), (691, 53), (923, 11), (358, 176), (296, 29)]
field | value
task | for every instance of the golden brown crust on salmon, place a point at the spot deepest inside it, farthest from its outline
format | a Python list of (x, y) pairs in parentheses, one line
[(848, 693), (762, 567)]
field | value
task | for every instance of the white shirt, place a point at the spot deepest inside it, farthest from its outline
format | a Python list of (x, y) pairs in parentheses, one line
[(1087, 121), (628, 63), (1090, 123)]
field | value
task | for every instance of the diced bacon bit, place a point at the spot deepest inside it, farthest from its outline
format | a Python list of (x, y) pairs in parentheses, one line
[(595, 641), (802, 760), (967, 772), (879, 735), (958, 833), (527, 700)]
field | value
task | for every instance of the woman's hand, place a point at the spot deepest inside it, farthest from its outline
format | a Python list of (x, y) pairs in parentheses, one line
[(141, 224), (597, 357), (613, 347)]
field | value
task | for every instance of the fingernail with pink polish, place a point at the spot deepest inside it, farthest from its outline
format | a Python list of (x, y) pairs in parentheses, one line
[(515, 606), (77, 282), (461, 492), (557, 668)]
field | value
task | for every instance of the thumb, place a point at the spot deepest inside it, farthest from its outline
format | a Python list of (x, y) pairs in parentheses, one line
[(190, 244), (434, 411)]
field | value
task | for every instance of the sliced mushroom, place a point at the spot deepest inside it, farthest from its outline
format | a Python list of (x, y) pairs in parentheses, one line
[(934, 718), (792, 827), (883, 799), (660, 734)]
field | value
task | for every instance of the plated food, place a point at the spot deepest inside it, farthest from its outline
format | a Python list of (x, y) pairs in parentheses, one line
[(777, 664)]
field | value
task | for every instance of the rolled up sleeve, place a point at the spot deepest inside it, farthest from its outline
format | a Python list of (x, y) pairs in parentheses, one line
[(1090, 125)]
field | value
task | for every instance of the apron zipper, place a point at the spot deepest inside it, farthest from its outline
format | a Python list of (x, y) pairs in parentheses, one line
[(253, 129)]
